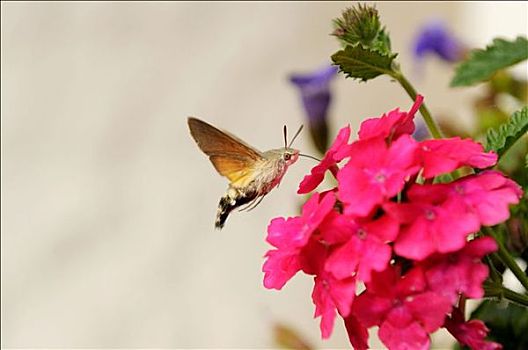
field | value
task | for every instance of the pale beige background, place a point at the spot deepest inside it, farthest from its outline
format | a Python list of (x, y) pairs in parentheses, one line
[(108, 205)]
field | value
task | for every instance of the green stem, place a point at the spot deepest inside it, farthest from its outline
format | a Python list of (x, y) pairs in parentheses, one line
[(498, 291), (495, 277), (411, 91), (508, 260), (514, 296)]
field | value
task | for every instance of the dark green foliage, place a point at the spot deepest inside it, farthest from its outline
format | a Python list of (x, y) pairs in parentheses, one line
[(482, 64)]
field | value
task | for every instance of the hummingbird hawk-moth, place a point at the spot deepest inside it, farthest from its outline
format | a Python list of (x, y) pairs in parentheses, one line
[(251, 173)]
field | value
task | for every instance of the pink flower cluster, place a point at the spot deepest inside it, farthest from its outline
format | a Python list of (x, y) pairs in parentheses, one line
[(388, 226)]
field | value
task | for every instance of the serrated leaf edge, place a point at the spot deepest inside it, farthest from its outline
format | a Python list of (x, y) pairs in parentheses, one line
[(498, 139), (366, 48)]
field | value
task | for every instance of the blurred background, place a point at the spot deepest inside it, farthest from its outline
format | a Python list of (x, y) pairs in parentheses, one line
[(107, 203)]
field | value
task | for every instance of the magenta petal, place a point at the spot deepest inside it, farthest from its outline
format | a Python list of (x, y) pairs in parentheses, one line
[(453, 226), (311, 181), (342, 262), (433, 194), (312, 257), (407, 337), (447, 281), (295, 232), (493, 207), (357, 333), (314, 211), (371, 309), (329, 294), (333, 156), (402, 153), (399, 315), (471, 333), (416, 106), (391, 125), (382, 283), (279, 267), (445, 155), (461, 272), (412, 282), (288, 233), (481, 246), (375, 256), (324, 307), (359, 255), (404, 213), (368, 153), (343, 293), (415, 242), (359, 196), (385, 228), (489, 194), (429, 308), (475, 279), (337, 228)]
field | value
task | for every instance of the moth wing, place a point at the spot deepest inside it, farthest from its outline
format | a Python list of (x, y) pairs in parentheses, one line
[(231, 157), (235, 169)]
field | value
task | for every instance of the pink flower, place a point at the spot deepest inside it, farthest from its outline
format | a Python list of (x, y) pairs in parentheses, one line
[(330, 294), (431, 223), (470, 333), (366, 250), (445, 155), (489, 194), (290, 236), (449, 275), (378, 222), (375, 172), (402, 308), (331, 158), (392, 125)]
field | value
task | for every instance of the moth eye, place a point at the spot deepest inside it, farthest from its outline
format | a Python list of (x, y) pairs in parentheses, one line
[(287, 156)]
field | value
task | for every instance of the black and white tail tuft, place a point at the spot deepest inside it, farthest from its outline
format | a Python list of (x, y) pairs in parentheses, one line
[(231, 200)]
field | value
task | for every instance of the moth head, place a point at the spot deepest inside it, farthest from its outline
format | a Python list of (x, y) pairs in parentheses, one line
[(290, 155)]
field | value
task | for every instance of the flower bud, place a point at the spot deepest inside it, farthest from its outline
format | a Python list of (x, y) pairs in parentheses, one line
[(359, 24)]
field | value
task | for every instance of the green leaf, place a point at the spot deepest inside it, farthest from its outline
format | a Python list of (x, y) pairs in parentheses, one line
[(481, 64), (359, 62), (502, 138)]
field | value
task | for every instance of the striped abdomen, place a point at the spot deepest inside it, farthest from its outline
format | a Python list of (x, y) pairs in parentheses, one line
[(231, 200)]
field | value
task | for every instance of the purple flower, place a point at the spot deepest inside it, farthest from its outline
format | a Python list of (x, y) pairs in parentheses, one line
[(421, 132), (316, 97), (434, 38)]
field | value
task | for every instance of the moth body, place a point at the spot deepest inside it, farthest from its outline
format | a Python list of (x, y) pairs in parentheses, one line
[(266, 175)]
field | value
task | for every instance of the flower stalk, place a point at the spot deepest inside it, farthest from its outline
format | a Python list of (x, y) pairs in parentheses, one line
[(411, 91), (493, 290), (508, 260)]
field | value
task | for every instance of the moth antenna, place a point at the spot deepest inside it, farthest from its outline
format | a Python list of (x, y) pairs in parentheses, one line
[(296, 134), (285, 132), (308, 156)]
